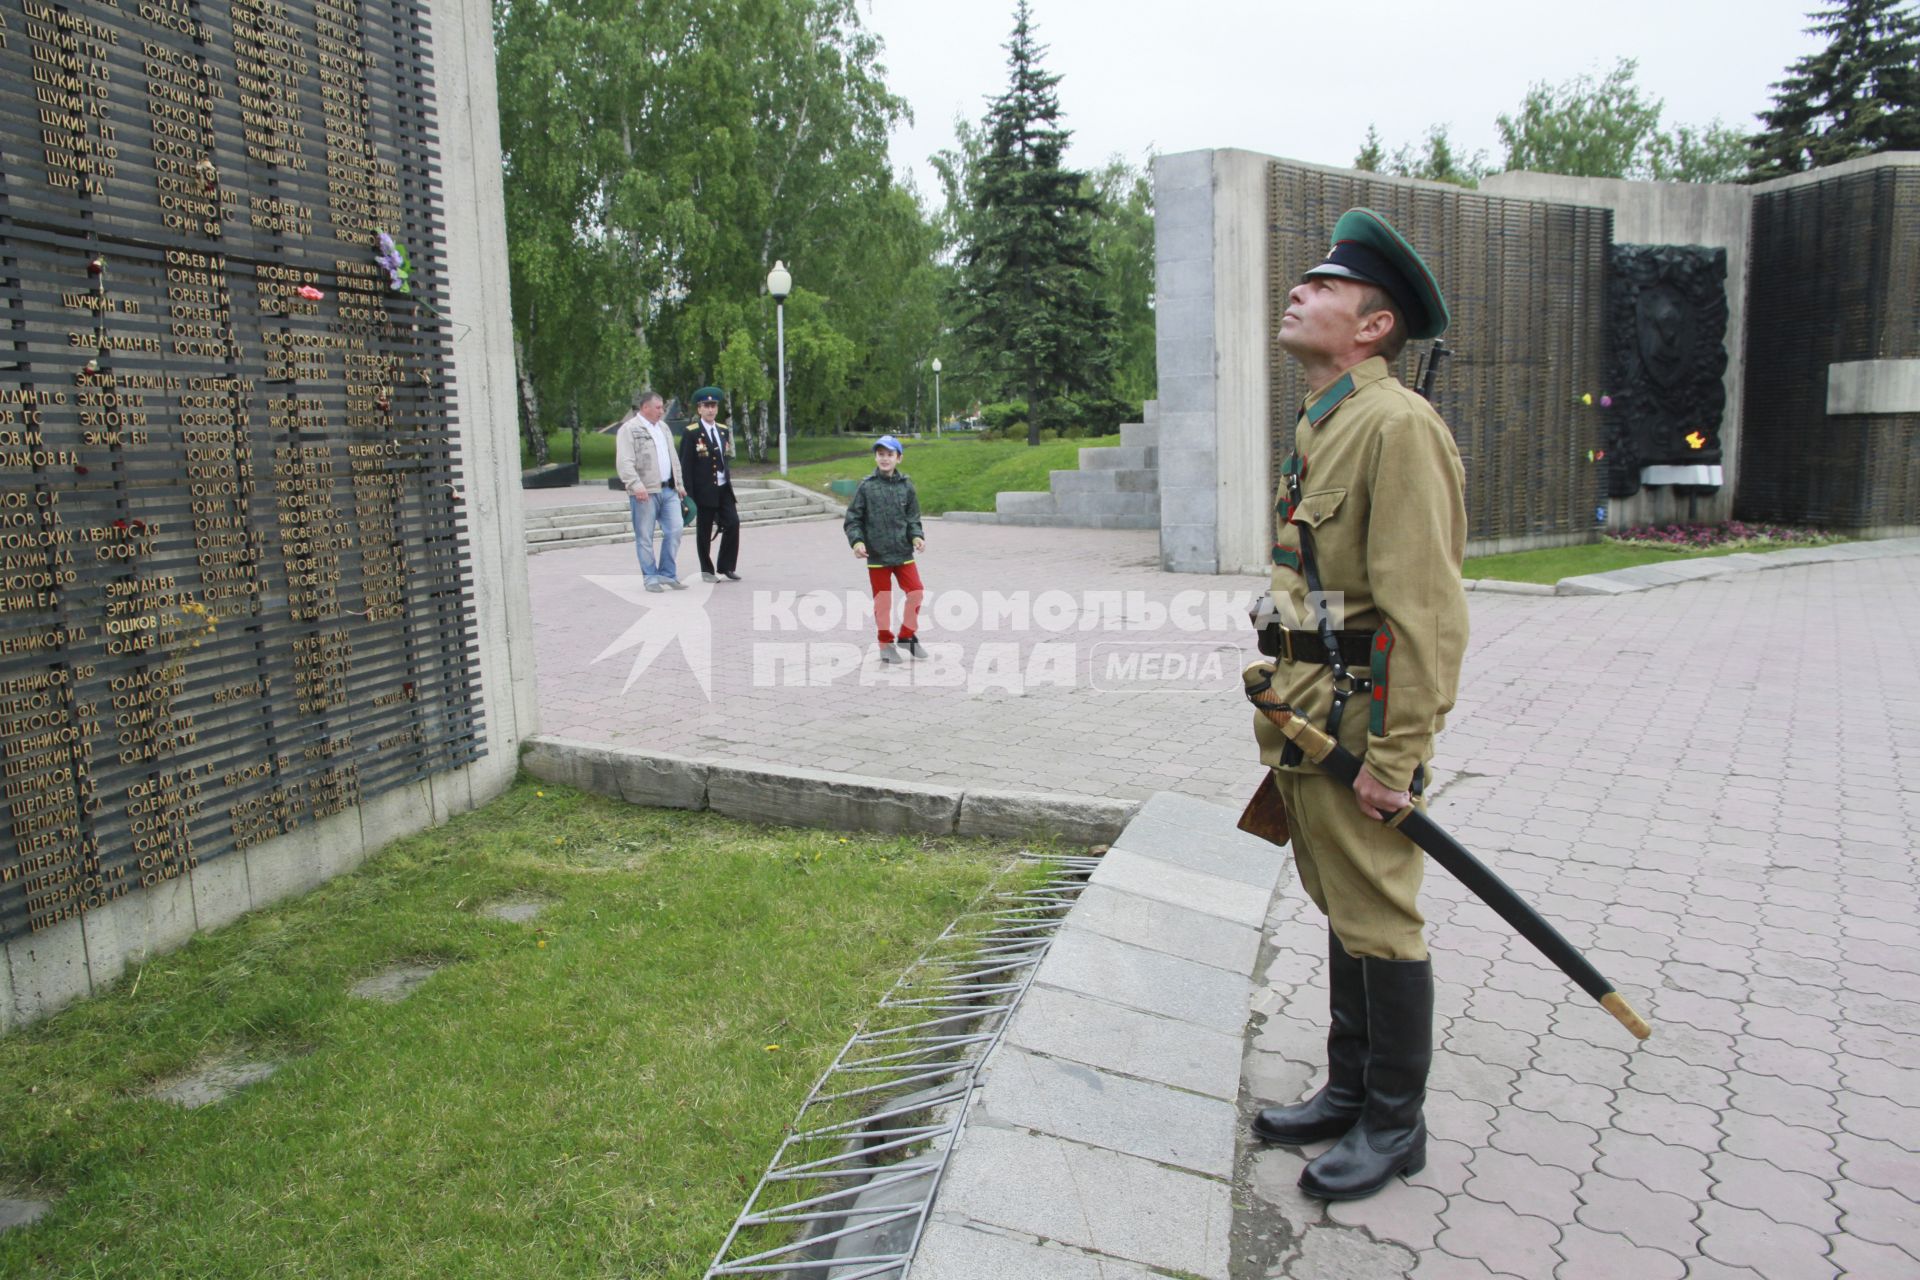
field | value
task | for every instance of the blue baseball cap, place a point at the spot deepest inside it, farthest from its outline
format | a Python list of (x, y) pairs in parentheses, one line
[(890, 442)]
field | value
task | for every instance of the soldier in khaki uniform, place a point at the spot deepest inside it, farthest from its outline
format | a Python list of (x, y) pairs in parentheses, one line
[(1376, 482)]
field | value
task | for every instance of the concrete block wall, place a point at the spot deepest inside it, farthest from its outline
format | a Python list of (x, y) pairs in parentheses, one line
[(1196, 346), (41, 973)]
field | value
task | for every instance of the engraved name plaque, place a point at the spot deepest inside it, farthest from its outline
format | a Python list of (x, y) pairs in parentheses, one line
[(235, 594)]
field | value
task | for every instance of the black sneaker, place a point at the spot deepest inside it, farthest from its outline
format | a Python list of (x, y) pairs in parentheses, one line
[(913, 646)]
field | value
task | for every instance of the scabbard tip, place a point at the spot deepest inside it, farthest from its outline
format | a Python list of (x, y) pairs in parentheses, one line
[(1616, 1004)]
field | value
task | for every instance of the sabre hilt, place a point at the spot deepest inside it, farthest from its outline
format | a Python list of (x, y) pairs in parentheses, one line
[(1257, 679)]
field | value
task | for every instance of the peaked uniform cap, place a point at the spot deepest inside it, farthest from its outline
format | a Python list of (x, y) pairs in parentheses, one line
[(1366, 247), (714, 394)]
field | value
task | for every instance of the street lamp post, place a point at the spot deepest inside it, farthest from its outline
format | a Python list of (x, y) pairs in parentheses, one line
[(936, 397), (780, 284)]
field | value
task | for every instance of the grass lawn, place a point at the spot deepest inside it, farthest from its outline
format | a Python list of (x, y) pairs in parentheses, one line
[(596, 452), (1554, 563), (593, 1094), (961, 475)]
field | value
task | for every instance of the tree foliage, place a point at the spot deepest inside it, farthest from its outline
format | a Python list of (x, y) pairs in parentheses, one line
[(1033, 319), (1123, 259), (1372, 156), (1858, 96), (660, 155), (1434, 159), (1609, 128)]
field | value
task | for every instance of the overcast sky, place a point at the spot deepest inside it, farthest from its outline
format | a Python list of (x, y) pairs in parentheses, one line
[(1304, 80)]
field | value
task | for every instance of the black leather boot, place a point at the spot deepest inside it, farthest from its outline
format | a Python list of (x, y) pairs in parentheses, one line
[(1391, 1136), (1332, 1111)]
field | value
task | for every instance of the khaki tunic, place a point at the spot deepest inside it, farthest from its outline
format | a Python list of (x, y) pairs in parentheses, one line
[(1382, 489)]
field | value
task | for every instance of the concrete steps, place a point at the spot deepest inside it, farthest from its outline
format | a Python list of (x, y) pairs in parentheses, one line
[(1116, 487), (762, 501)]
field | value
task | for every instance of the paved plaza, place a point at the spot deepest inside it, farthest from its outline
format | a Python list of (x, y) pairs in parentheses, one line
[(1708, 786)]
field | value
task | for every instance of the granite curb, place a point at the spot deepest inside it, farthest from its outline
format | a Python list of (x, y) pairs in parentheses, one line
[(1100, 1140), (789, 796)]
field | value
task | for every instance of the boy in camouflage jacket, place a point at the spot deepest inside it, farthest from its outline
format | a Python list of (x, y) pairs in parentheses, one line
[(883, 526)]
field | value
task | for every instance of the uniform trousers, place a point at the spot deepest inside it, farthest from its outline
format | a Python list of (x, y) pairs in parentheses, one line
[(1362, 874), (727, 516)]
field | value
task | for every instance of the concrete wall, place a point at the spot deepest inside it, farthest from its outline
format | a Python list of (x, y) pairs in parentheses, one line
[(1716, 215), (1210, 249), (42, 972)]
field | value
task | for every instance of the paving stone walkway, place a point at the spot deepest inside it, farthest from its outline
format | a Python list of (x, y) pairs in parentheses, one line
[(1709, 786)]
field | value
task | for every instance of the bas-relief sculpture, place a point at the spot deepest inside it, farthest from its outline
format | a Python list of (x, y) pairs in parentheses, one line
[(1666, 360)]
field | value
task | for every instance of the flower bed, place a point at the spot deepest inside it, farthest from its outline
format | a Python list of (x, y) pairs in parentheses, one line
[(1728, 533)]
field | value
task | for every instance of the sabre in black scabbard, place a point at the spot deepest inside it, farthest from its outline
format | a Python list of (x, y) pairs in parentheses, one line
[(1337, 761)]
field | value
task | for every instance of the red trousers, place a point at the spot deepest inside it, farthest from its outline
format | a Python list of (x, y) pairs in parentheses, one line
[(881, 578)]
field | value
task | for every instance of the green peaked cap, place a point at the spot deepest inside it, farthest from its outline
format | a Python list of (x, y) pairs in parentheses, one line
[(1366, 247), (714, 394)]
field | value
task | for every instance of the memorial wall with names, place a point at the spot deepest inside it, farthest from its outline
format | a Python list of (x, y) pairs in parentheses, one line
[(235, 588)]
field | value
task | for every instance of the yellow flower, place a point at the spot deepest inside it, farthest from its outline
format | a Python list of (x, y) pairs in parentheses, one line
[(542, 944), (773, 1048), (540, 793)]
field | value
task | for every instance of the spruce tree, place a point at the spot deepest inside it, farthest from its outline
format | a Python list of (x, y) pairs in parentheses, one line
[(1030, 307), (1858, 96), (1371, 157)]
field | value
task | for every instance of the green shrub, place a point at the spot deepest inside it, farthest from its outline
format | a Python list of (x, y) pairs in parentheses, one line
[(999, 415)]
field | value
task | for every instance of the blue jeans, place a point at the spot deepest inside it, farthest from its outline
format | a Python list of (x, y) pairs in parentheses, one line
[(662, 507)]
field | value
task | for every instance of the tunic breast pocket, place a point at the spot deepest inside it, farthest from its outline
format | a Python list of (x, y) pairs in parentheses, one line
[(1318, 507)]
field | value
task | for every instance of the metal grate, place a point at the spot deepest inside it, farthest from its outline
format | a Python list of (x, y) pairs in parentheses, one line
[(1526, 282), (847, 1194), (1835, 274)]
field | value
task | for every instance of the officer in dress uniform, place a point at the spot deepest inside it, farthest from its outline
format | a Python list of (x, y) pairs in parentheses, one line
[(1372, 506), (705, 450)]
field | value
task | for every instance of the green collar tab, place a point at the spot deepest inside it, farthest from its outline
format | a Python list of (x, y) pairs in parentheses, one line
[(1329, 400)]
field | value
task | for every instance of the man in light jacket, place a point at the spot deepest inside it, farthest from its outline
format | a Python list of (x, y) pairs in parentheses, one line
[(645, 457)]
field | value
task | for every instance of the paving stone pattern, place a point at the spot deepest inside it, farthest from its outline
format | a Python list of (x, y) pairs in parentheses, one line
[(877, 721), (1708, 786), (1663, 775)]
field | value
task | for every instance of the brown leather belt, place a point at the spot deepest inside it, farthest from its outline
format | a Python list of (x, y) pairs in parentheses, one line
[(1292, 645)]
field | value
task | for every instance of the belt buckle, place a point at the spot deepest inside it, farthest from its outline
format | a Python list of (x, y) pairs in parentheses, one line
[(1286, 644)]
